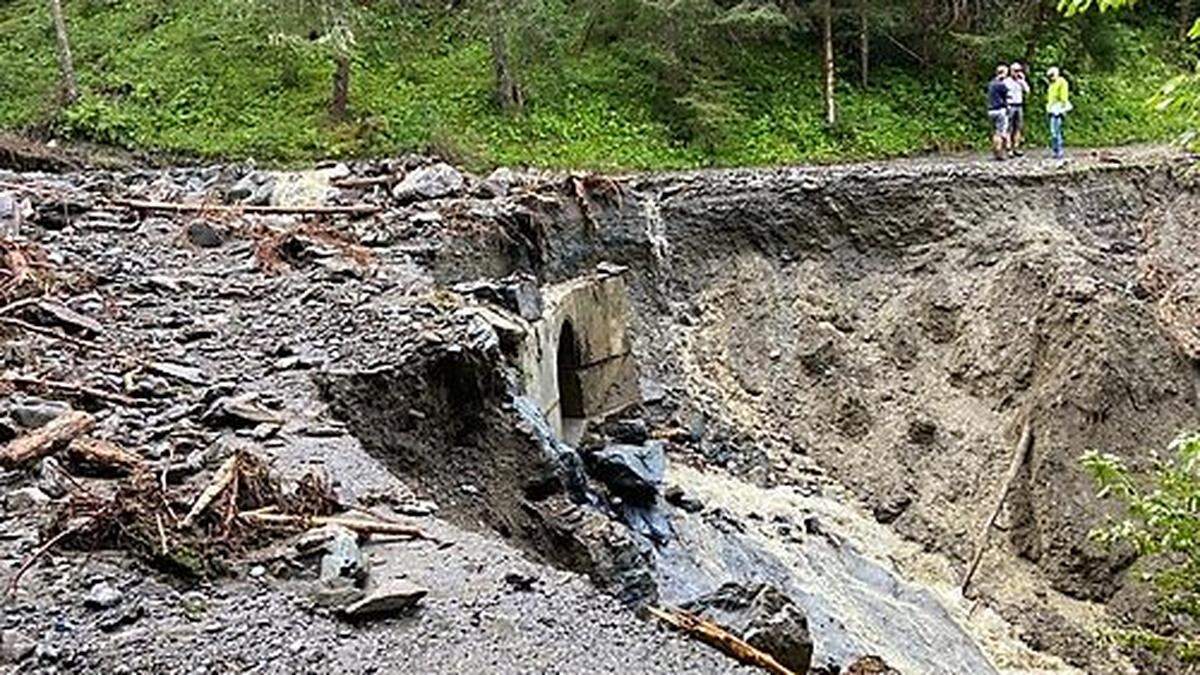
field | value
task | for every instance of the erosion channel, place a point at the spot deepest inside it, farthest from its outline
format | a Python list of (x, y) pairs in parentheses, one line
[(784, 399)]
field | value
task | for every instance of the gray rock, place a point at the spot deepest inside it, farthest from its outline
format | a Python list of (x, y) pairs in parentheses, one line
[(204, 234), (102, 596), (677, 496), (175, 371), (393, 598), (633, 472), (765, 618), (255, 188), (32, 412), (499, 183), (343, 562), (630, 431), (15, 647), (25, 499), (61, 315), (430, 182)]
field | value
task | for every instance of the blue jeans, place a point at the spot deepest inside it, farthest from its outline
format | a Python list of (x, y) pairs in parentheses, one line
[(1056, 135)]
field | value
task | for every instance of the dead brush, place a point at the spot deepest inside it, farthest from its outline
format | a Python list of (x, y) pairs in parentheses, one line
[(277, 249), (25, 271), (142, 517)]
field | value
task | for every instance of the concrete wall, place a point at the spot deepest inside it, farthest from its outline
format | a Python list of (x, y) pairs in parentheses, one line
[(597, 306)]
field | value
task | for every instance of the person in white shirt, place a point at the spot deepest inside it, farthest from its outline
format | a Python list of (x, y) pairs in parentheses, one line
[(1018, 89)]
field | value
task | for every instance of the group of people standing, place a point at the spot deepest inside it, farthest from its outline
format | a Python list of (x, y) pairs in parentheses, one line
[(1007, 95)]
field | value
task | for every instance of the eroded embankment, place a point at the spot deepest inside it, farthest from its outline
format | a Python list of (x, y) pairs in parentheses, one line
[(900, 326)]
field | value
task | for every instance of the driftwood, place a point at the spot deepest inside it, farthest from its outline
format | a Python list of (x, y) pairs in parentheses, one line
[(711, 634), (49, 332), (45, 548), (105, 455), (72, 388), (1018, 458), (366, 181), (175, 207), (45, 441), (362, 526), (220, 481)]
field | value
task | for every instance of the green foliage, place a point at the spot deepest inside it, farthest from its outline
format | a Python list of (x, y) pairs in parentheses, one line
[(612, 84), (1162, 524)]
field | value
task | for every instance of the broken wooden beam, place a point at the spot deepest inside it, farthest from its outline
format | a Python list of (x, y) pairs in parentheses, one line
[(103, 456), (1014, 468), (713, 635), (176, 207), (72, 388), (360, 525), (46, 440)]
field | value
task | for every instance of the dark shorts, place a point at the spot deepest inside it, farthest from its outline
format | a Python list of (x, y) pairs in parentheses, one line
[(1016, 119)]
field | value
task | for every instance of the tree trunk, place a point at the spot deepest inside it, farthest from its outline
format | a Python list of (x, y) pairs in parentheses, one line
[(66, 65), (864, 43), (341, 87), (508, 91), (827, 61), (1041, 14)]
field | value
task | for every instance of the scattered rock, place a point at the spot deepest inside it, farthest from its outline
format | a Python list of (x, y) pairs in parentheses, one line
[(393, 598), (430, 182), (25, 499), (182, 373), (631, 471), (102, 595), (32, 412), (765, 618), (61, 315), (523, 583), (15, 647), (677, 496), (630, 431), (204, 234), (239, 411), (255, 189), (344, 561)]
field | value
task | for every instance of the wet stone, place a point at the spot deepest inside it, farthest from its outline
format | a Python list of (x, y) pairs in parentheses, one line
[(204, 234), (102, 596), (396, 597)]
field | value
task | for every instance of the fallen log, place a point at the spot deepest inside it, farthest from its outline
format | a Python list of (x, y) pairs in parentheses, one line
[(45, 441), (49, 332), (220, 481), (1014, 468), (366, 181), (101, 455), (362, 526), (175, 207), (713, 635), (72, 388)]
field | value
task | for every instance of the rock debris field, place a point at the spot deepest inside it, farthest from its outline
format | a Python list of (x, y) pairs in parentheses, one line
[(305, 421)]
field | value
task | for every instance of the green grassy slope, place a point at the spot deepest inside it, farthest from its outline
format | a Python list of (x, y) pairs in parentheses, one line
[(196, 79)]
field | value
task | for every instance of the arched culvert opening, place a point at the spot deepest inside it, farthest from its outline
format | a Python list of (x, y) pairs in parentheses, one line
[(570, 384)]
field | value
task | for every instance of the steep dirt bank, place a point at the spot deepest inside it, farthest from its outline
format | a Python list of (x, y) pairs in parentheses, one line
[(883, 328), (899, 326)]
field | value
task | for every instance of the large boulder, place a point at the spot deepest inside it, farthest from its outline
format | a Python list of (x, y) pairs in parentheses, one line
[(764, 617), (632, 472), (430, 182)]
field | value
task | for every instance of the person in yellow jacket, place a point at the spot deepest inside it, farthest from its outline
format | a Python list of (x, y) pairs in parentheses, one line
[(1058, 104)]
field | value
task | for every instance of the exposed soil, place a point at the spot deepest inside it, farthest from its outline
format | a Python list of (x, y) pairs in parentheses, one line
[(883, 328)]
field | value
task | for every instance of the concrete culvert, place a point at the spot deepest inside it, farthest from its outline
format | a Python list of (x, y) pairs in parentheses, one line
[(570, 385)]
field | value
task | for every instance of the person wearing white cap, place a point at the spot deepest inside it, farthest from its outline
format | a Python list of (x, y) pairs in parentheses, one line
[(1058, 104), (1018, 89)]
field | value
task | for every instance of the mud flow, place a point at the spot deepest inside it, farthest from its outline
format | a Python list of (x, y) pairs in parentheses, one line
[(786, 402)]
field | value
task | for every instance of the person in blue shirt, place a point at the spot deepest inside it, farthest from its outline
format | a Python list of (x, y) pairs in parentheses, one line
[(997, 94)]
